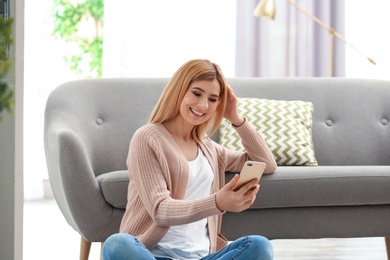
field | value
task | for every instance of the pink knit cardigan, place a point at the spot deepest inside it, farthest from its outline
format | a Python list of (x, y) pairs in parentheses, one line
[(158, 174)]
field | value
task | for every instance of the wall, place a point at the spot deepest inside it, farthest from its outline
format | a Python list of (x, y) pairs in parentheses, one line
[(11, 169), (7, 144), (366, 29), (172, 33)]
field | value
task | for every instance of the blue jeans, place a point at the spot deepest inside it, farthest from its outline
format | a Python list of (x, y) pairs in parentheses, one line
[(124, 246)]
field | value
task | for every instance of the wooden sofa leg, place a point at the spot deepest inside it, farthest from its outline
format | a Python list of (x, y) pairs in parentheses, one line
[(85, 248), (101, 251), (387, 242)]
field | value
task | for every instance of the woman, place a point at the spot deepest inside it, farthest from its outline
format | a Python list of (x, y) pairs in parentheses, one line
[(177, 194)]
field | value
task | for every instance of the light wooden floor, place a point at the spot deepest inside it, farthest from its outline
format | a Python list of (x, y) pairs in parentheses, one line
[(48, 236)]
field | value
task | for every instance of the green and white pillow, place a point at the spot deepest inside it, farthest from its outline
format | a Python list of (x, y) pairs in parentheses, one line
[(286, 126)]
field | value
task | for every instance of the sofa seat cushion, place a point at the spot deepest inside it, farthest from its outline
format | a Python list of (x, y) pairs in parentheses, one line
[(114, 187), (293, 186)]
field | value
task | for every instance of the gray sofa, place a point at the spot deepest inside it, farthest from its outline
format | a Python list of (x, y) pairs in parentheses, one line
[(89, 124)]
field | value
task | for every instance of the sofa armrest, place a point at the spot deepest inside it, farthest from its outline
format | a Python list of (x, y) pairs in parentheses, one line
[(74, 184)]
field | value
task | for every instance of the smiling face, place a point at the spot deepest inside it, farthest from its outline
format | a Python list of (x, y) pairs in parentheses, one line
[(179, 105), (200, 101)]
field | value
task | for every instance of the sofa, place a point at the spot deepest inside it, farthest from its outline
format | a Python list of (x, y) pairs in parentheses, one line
[(346, 193)]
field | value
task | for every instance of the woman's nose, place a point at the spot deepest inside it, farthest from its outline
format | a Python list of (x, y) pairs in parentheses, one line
[(203, 103)]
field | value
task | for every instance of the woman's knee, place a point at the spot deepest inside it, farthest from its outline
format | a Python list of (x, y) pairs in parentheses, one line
[(115, 244), (263, 247), (117, 240), (125, 246)]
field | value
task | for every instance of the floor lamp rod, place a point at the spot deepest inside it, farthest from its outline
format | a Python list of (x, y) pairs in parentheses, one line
[(332, 34), (266, 8)]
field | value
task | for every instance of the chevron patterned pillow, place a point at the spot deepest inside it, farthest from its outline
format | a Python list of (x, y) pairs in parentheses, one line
[(286, 126)]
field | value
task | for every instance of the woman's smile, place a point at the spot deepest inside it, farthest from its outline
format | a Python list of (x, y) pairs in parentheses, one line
[(196, 112)]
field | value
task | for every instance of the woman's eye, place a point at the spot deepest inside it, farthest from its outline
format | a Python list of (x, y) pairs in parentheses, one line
[(213, 100)]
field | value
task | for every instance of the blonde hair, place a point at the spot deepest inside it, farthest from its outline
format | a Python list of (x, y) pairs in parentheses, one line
[(168, 105)]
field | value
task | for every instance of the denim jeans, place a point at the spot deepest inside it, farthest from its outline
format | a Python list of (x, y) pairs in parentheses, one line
[(123, 246)]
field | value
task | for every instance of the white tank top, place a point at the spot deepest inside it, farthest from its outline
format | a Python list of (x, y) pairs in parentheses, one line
[(190, 241)]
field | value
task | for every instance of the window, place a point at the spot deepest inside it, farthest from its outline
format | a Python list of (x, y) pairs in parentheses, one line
[(141, 39)]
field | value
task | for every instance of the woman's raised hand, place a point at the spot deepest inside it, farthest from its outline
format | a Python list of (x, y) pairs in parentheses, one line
[(231, 111), (228, 199)]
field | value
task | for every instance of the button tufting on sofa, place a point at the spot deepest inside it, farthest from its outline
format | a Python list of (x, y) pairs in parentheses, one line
[(99, 121), (329, 122)]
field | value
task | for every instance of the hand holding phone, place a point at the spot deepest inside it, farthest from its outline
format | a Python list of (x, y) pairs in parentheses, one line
[(251, 170)]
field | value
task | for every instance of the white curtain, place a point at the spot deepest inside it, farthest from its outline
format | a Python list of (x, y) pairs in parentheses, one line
[(292, 44)]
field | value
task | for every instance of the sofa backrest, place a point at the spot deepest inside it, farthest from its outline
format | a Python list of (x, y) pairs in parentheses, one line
[(104, 113), (350, 121)]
